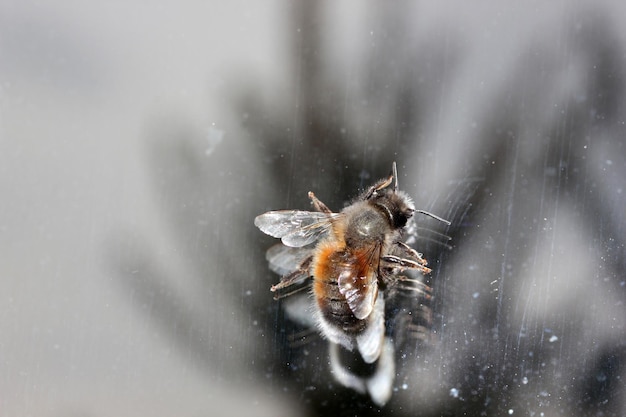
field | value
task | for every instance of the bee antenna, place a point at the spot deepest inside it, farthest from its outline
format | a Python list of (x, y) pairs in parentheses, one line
[(394, 173), (442, 220)]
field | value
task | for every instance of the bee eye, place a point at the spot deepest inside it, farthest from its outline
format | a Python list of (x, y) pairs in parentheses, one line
[(400, 221), (403, 217)]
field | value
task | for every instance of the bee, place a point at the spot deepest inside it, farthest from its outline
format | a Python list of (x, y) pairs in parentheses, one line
[(350, 259)]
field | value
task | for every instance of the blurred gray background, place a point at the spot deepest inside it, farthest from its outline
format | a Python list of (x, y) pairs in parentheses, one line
[(138, 140)]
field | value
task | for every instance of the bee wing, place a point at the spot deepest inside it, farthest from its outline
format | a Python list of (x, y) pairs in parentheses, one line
[(359, 283), (284, 259), (370, 341), (360, 292), (295, 228)]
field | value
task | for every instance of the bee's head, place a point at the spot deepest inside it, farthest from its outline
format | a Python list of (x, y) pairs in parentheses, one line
[(396, 205)]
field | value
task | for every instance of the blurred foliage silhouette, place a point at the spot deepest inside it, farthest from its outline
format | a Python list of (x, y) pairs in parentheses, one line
[(528, 307)]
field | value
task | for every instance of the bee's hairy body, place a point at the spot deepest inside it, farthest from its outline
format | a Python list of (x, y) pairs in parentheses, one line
[(353, 249), (357, 260)]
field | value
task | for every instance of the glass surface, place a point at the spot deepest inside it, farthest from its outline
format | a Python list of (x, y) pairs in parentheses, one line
[(139, 140)]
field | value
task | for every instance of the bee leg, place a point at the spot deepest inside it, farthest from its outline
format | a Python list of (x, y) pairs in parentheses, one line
[(412, 252), (402, 278), (319, 206), (299, 275), (377, 187), (405, 263), (289, 280), (419, 291), (402, 283), (287, 294), (420, 333)]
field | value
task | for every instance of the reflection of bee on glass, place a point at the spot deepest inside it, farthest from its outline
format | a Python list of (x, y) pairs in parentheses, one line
[(353, 257)]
